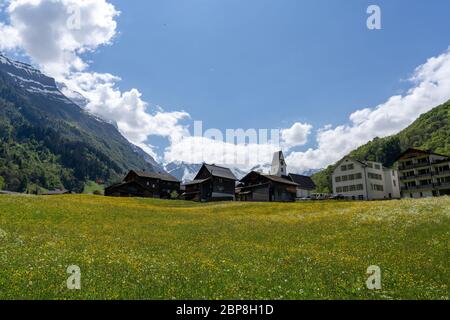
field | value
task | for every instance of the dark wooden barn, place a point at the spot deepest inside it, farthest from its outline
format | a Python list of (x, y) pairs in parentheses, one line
[(145, 184), (305, 185), (212, 183), (259, 187)]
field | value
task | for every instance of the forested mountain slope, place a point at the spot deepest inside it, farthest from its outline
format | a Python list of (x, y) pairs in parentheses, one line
[(47, 141)]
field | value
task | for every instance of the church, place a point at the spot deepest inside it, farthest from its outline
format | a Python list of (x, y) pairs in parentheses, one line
[(276, 186)]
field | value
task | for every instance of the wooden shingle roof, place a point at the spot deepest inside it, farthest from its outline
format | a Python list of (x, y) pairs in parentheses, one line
[(220, 172), (156, 175), (304, 182)]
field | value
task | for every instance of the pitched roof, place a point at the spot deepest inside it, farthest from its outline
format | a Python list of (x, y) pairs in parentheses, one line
[(55, 192), (198, 181), (220, 172), (156, 175), (303, 181), (364, 164), (279, 179), (413, 150), (270, 178)]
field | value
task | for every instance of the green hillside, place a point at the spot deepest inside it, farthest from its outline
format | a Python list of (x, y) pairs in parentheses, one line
[(48, 142), (429, 132), (154, 249)]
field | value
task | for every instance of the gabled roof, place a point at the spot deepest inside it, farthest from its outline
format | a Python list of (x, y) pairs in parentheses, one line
[(220, 172), (304, 182), (198, 181), (279, 180), (156, 175), (413, 150), (55, 192), (270, 178), (352, 159)]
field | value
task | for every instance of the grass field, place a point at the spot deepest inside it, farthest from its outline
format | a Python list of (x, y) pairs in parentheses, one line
[(91, 187), (148, 249)]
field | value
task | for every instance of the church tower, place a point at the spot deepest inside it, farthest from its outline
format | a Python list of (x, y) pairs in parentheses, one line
[(279, 167)]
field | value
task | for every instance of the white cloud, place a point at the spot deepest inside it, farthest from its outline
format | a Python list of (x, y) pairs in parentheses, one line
[(44, 29), (296, 136), (431, 87), (48, 32), (127, 109), (193, 149), (9, 37)]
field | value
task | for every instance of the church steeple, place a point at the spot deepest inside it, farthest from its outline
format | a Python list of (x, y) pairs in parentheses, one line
[(279, 167)]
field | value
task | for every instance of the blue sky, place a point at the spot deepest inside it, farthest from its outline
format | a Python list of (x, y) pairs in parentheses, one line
[(311, 68), (265, 63)]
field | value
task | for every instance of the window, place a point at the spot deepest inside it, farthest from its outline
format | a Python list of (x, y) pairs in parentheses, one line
[(370, 165), (378, 167), (374, 176), (344, 168), (358, 176), (338, 179), (395, 183), (360, 187), (345, 189), (422, 161), (425, 182), (351, 167), (377, 187), (410, 174), (351, 177), (339, 189), (345, 178)]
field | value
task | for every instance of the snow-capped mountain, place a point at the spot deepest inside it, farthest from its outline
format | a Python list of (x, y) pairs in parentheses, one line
[(31, 79), (38, 115), (262, 168), (311, 172), (182, 171), (148, 159), (187, 172), (76, 97)]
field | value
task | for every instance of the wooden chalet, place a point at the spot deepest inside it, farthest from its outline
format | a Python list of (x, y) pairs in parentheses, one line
[(145, 185), (305, 185), (56, 192), (259, 187), (212, 183)]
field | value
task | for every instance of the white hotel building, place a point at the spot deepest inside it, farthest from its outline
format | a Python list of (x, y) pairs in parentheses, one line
[(367, 180), (424, 174)]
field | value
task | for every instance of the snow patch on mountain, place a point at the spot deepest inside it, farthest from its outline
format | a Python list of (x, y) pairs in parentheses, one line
[(186, 172)]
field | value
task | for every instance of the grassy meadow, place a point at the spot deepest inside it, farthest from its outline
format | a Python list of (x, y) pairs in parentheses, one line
[(151, 249)]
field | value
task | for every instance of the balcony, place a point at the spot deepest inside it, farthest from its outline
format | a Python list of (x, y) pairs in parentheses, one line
[(415, 165), (442, 185), (415, 188), (417, 176), (442, 173)]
